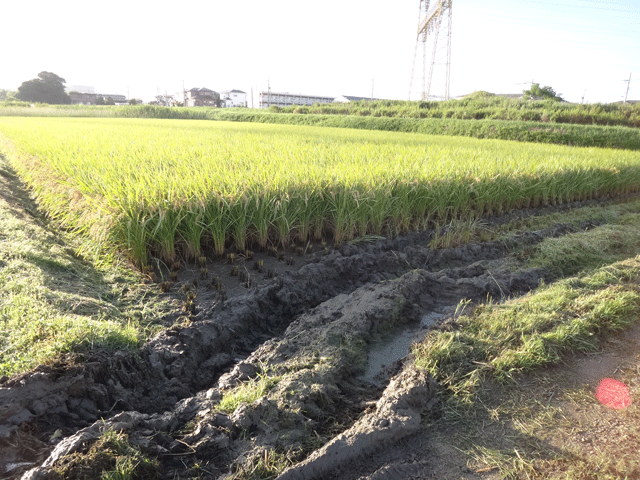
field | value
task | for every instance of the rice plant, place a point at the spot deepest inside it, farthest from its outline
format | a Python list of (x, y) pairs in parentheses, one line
[(163, 188)]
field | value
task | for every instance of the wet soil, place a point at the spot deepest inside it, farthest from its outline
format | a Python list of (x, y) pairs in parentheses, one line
[(307, 325)]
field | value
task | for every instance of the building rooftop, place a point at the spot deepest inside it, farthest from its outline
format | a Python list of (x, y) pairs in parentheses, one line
[(201, 90)]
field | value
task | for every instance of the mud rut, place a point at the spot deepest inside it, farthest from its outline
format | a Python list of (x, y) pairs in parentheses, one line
[(309, 330)]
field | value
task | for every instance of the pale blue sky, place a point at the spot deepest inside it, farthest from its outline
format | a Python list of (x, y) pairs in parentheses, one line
[(579, 47)]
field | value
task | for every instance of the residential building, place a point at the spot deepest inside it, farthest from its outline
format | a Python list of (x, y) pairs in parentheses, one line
[(202, 97), (233, 98), (80, 88), (280, 99)]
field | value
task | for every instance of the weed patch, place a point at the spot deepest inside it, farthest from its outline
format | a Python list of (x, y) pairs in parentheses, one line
[(111, 457)]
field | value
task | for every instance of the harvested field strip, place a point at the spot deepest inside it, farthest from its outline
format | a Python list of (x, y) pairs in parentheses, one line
[(164, 187)]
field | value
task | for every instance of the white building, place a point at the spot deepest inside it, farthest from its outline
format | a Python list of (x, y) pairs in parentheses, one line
[(350, 98), (80, 89), (286, 99), (233, 98)]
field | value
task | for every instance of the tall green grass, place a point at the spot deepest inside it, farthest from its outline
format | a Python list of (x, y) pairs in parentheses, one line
[(163, 187), (485, 106)]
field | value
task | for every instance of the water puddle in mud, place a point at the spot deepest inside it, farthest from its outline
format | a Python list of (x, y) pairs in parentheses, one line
[(394, 347)]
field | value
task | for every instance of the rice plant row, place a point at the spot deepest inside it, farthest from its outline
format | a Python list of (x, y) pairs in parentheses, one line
[(159, 187)]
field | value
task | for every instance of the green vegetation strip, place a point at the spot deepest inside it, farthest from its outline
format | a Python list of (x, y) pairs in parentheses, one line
[(485, 106), (604, 126), (158, 187), (496, 341), (51, 301), (520, 131)]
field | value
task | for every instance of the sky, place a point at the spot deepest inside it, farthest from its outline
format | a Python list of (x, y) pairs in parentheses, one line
[(586, 50)]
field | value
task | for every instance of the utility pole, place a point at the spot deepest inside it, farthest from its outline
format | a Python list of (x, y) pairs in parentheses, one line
[(628, 85), (184, 95)]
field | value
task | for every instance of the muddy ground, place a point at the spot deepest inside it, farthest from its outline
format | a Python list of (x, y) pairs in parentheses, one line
[(313, 327)]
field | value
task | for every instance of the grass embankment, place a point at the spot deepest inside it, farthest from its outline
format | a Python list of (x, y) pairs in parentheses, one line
[(477, 106), (159, 187), (519, 131), (484, 106), (53, 302), (520, 127), (487, 349)]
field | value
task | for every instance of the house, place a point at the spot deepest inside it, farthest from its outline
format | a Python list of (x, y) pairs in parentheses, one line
[(233, 98), (201, 97), (117, 98), (80, 98)]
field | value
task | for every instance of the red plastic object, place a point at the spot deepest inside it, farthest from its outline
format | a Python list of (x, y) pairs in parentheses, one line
[(613, 393)]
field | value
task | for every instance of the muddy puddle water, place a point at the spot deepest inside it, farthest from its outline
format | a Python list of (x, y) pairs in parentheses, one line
[(394, 346)]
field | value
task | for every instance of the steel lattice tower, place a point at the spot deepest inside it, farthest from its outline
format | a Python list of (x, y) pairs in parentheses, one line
[(434, 26)]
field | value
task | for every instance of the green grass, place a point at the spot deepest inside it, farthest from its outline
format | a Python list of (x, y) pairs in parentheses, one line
[(111, 457), (512, 425), (265, 464), (52, 301), (497, 341), (247, 392), (164, 187)]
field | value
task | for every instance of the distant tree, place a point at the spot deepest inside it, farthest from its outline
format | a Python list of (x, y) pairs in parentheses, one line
[(47, 88), (135, 101), (7, 95), (109, 101), (542, 92), (165, 100), (100, 100)]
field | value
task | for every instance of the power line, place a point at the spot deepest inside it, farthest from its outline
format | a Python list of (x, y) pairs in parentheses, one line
[(520, 20), (588, 7), (630, 9)]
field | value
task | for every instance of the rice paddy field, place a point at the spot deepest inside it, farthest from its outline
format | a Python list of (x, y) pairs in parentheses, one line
[(180, 187)]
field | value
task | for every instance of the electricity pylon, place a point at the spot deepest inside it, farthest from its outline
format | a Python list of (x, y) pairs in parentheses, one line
[(434, 26)]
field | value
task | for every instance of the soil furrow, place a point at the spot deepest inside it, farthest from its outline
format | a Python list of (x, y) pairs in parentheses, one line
[(186, 370)]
